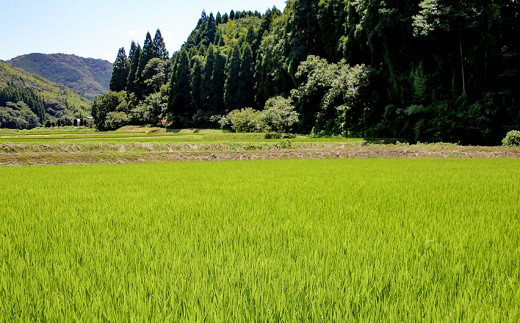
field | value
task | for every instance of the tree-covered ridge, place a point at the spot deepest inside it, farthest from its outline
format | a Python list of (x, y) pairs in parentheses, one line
[(27, 100), (87, 77), (429, 70)]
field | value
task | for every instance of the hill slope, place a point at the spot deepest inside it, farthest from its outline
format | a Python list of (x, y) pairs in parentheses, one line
[(87, 77), (58, 101)]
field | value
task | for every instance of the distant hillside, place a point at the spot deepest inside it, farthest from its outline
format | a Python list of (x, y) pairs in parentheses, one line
[(87, 77), (57, 100)]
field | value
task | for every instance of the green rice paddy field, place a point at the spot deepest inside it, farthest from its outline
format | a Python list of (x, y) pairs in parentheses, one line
[(283, 240)]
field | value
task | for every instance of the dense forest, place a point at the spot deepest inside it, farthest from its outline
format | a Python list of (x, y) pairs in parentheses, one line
[(429, 71)]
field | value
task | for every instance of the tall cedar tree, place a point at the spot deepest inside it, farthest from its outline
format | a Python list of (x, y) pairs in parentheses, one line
[(232, 84), (246, 85), (120, 71), (147, 54), (197, 66), (179, 101), (133, 57), (159, 47), (209, 31), (218, 78), (207, 79)]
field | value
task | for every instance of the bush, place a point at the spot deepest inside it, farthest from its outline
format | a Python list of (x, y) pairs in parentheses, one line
[(244, 120), (115, 120), (279, 115), (512, 138), (284, 144), (273, 135)]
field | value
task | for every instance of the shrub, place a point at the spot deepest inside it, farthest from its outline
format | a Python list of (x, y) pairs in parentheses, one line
[(512, 138), (245, 120), (115, 120), (273, 135), (284, 144), (279, 115)]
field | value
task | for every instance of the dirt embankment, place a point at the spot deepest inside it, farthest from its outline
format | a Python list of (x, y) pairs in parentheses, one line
[(26, 154)]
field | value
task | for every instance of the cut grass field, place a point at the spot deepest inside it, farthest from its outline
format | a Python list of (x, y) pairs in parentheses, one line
[(285, 240), (135, 144)]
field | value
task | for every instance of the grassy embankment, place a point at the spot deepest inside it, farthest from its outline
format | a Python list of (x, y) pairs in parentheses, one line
[(134, 144)]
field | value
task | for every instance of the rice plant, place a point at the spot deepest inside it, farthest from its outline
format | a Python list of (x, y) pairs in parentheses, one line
[(332, 240)]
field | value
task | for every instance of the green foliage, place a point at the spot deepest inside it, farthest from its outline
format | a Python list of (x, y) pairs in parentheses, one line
[(27, 96), (246, 82), (105, 106), (147, 53), (179, 101), (231, 86), (154, 76), (133, 58), (329, 98), (120, 72), (512, 138), (279, 115), (115, 120), (159, 47), (150, 111), (197, 68), (243, 120), (18, 116)]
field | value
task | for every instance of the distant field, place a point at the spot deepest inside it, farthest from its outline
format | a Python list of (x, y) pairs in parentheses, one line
[(330, 240), (136, 144)]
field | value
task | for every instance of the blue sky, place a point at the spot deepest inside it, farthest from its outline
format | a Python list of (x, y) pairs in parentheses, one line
[(97, 28)]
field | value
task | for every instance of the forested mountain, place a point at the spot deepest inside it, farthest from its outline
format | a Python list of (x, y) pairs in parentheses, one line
[(430, 70), (87, 77), (28, 101)]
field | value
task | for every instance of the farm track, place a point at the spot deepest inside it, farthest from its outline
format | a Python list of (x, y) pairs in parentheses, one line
[(116, 153)]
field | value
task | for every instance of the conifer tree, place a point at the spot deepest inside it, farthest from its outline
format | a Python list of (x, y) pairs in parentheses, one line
[(207, 79), (179, 101), (120, 71), (210, 30), (134, 55), (159, 47), (218, 78), (232, 84), (246, 89), (197, 66), (146, 55)]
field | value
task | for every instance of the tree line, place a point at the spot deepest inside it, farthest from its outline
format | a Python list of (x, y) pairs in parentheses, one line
[(430, 70)]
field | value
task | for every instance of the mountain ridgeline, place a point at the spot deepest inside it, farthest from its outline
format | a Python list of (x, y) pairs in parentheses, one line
[(87, 77), (429, 71)]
